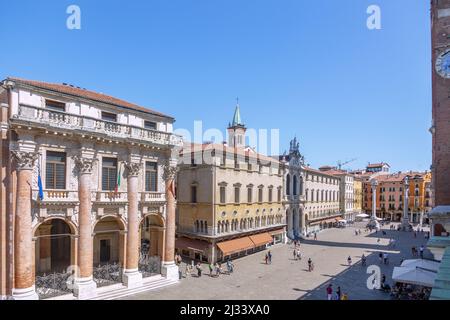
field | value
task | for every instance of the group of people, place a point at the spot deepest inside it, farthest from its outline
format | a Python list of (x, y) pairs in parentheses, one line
[(357, 232), (337, 295), (268, 258), (416, 253), (215, 270), (383, 257)]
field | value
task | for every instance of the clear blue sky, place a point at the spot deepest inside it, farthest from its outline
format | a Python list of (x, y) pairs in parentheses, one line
[(311, 70)]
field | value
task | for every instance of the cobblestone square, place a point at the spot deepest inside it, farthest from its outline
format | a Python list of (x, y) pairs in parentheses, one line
[(288, 279)]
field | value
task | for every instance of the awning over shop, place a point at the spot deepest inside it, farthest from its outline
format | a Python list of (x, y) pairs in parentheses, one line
[(416, 276), (191, 244), (235, 245), (261, 239), (339, 219)]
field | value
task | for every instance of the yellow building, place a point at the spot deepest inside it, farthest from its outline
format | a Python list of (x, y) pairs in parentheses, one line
[(357, 195), (229, 200)]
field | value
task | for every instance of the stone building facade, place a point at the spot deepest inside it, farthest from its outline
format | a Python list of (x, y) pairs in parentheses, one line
[(322, 194), (440, 129), (292, 166), (91, 179), (230, 199)]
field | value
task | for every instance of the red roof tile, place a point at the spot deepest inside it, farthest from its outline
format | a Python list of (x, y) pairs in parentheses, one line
[(87, 94)]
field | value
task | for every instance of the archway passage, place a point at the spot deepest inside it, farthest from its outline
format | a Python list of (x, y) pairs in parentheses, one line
[(152, 245), (54, 254), (53, 247), (109, 249)]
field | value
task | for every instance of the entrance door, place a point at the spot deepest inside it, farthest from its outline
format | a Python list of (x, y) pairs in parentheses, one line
[(105, 250)]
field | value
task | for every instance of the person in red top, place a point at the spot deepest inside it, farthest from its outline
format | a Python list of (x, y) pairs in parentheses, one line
[(329, 292)]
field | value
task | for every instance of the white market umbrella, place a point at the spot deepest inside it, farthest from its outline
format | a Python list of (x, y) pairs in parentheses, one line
[(416, 276), (421, 263), (362, 215)]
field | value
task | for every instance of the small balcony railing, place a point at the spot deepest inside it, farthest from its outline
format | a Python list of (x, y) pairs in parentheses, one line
[(63, 120), (153, 196), (56, 195), (109, 196)]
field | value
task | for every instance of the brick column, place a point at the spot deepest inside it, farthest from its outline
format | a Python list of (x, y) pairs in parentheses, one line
[(169, 268), (84, 287), (132, 277), (23, 246)]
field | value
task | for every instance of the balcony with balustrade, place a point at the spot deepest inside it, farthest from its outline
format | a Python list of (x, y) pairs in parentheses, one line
[(68, 123)]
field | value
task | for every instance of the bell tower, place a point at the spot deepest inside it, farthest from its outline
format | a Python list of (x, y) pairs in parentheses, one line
[(236, 129)]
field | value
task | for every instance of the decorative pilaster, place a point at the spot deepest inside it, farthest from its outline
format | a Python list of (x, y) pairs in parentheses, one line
[(132, 278), (23, 244), (85, 287), (169, 268)]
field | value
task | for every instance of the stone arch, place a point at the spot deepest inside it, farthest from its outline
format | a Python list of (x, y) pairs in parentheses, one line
[(152, 232), (109, 240), (55, 245)]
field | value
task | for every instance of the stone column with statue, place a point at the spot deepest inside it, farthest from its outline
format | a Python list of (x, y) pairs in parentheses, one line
[(169, 268), (24, 288), (406, 225), (373, 219)]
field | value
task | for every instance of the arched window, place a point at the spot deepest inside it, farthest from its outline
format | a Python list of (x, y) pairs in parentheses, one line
[(294, 183), (301, 186), (288, 184)]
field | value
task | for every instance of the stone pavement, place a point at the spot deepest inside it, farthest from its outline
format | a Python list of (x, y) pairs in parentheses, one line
[(288, 279)]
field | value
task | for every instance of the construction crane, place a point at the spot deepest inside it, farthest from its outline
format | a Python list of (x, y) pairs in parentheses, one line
[(341, 164)]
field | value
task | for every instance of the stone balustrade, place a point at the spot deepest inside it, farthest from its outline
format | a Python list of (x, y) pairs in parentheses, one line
[(152, 196), (109, 196), (62, 120)]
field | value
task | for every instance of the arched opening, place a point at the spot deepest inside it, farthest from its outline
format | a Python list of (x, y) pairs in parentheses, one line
[(53, 247), (288, 184), (294, 183), (109, 241), (151, 245)]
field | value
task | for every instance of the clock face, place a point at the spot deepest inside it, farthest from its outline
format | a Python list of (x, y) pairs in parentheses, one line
[(443, 64)]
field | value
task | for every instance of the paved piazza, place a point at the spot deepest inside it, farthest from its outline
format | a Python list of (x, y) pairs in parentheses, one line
[(288, 279)]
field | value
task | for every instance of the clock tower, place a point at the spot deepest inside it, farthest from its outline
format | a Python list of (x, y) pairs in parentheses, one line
[(440, 41)]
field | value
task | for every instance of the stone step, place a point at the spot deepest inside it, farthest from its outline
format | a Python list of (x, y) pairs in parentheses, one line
[(122, 291)]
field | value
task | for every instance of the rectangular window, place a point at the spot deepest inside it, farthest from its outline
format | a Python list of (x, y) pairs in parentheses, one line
[(222, 195), (260, 195), (55, 170), (270, 194), (151, 176), (249, 195), (109, 116), (150, 125), (279, 195), (55, 105), (109, 174), (193, 194), (237, 192)]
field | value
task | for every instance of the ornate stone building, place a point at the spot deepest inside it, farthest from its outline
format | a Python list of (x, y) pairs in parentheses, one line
[(294, 196), (230, 199), (322, 194), (91, 185)]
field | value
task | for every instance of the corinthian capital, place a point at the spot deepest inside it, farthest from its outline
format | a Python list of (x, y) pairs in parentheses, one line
[(85, 165), (25, 160), (170, 172), (133, 168)]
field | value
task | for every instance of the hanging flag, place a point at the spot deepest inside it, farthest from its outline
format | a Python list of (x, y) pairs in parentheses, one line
[(41, 190), (118, 180)]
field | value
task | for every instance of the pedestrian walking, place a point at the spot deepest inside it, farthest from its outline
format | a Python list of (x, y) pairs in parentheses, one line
[(267, 258), (344, 296), (310, 265), (338, 293), (329, 291), (211, 268), (199, 269), (421, 251), (349, 260), (385, 258), (299, 255), (315, 235), (269, 255), (295, 254), (380, 257), (363, 260)]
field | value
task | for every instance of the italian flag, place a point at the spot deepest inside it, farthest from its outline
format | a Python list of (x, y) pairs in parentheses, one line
[(119, 174)]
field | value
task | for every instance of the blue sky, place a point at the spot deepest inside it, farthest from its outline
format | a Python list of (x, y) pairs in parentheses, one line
[(314, 71)]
